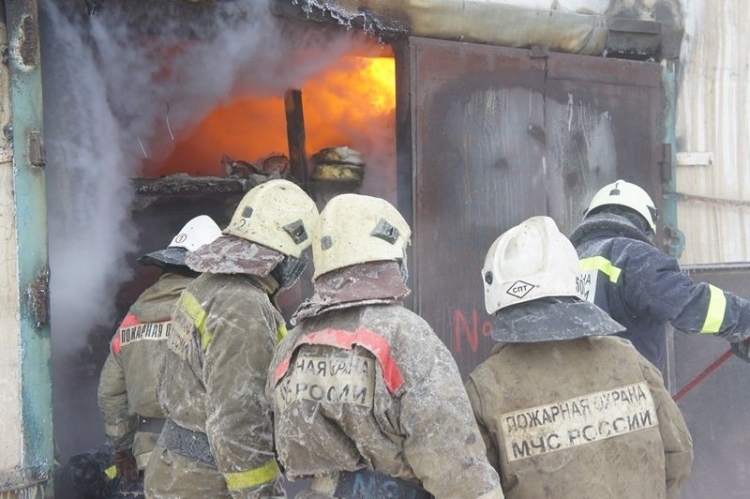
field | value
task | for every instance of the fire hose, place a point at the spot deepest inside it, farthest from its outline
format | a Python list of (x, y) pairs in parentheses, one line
[(703, 375)]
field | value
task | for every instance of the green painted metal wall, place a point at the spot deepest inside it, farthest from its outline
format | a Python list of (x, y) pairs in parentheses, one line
[(32, 478)]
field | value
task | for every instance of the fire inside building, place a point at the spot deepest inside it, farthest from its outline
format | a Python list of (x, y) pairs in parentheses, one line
[(158, 111)]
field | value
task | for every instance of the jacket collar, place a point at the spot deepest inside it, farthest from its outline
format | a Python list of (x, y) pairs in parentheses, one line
[(363, 284), (607, 224), (552, 319)]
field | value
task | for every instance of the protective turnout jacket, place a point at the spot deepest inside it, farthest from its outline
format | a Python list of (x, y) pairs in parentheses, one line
[(366, 384), (643, 289), (218, 440), (127, 385), (588, 417)]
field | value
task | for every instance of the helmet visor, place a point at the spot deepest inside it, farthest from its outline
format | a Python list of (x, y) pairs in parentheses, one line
[(168, 256), (551, 319)]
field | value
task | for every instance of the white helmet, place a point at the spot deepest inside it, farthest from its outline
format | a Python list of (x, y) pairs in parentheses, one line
[(354, 229), (197, 232), (532, 260), (629, 195), (277, 214)]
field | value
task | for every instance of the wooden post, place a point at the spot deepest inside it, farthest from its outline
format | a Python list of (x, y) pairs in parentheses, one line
[(295, 131)]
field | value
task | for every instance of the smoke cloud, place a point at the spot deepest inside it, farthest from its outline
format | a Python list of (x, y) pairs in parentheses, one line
[(120, 88), (125, 83)]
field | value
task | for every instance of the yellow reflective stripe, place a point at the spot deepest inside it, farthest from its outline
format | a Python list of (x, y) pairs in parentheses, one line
[(717, 305), (254, 477), (111, 472), (281, 332), (602, 264), (199, 316)]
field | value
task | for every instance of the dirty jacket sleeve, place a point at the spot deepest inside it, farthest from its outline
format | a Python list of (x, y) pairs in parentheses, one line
[(489, 441), (432, 434), (239, 424), (678, 444), (655, 285), (119, 426)]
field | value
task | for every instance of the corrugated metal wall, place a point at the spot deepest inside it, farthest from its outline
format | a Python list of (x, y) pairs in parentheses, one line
[(713, 116)]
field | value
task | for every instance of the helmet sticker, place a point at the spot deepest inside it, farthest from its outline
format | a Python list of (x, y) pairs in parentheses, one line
[(385, 231), (519, 289), (297, 230), (247, 212), (326, 242)]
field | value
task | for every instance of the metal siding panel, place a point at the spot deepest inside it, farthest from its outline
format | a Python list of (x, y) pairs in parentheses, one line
[(714, 116), (714, 407)]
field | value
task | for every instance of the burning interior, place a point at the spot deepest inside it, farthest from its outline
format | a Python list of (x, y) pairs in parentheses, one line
[(159, 111), (469, 115), (155, 128)]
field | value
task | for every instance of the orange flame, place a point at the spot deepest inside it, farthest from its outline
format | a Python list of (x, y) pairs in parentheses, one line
[(346, 105)]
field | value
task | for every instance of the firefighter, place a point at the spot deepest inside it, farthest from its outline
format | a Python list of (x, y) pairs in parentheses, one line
[(218, 438), (368, 401), (566, 410), (643, 288), (127, 385)]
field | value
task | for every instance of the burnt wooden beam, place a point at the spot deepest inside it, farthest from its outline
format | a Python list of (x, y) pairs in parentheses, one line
[(184, 185), (295, 131)]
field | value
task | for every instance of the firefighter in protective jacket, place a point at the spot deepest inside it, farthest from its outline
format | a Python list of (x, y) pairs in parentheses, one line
[(643, 288), (566, 410), (127, 385), (367, 399), (218, 438)]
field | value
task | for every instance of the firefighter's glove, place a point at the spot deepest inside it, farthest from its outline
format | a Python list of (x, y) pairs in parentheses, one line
[(742, 349), (127, 469)]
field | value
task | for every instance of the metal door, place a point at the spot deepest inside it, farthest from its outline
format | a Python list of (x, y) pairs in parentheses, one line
[(498, 135)]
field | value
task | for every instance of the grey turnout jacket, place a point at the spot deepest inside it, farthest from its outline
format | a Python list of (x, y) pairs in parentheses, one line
[(367, 384), (588, 417), (127, 384), (212, 392)]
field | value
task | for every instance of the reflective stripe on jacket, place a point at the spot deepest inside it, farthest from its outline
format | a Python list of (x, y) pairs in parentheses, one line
[(372, 386), (643, 288), (225, 330)]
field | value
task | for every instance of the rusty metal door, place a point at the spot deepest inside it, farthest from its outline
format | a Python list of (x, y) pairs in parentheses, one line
[(497, 135)]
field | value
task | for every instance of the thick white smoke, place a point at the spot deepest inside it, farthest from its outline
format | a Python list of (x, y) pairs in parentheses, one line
[(120, 86), (88, 187)]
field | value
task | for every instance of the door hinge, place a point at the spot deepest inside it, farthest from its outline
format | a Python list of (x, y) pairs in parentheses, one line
[(665, 163), (36, 149)]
